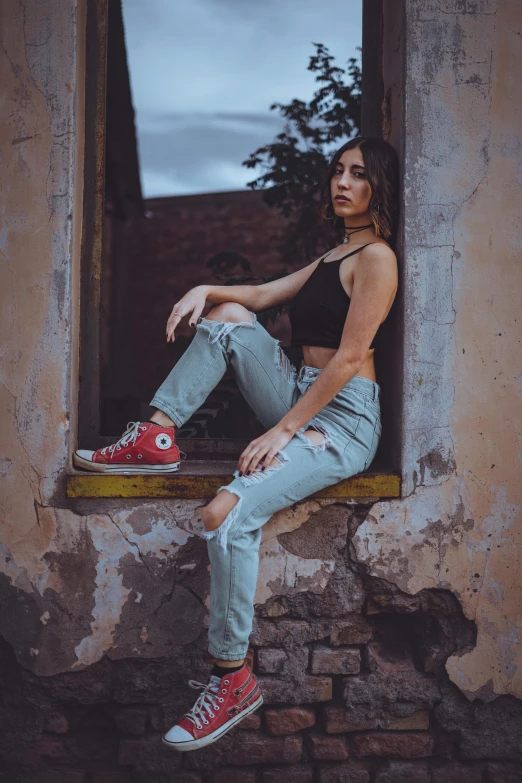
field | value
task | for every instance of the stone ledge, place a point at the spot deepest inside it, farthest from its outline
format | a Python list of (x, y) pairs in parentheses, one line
[(202, 479)]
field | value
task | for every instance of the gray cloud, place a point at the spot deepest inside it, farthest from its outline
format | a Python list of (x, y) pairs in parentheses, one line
[(202, 154), (204, 74)]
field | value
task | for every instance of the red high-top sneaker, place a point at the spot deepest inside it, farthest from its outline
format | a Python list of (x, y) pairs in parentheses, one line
[(143, 447), (222, 705)]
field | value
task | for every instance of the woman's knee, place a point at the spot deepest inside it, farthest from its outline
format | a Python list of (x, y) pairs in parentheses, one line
[(230, 312), (218, 509)]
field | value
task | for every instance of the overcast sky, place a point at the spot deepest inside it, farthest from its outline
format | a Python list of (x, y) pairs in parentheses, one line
[(204, 73)]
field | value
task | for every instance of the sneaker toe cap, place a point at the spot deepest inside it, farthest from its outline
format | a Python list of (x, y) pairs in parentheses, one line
[(85, 454), (177, 735)]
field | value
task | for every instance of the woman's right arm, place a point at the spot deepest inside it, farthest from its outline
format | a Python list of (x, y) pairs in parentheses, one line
[(254, 297)]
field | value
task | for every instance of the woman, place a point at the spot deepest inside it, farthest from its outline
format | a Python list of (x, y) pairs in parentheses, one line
[(322, 421)]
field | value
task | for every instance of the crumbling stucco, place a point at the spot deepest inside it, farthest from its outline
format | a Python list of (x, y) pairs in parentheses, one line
[(459, 524), (123, 579)]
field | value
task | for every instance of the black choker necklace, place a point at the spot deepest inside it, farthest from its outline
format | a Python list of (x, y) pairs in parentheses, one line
[(354, 230)]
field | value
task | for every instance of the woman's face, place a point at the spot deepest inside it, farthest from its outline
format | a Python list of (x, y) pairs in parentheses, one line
[(349, 186)]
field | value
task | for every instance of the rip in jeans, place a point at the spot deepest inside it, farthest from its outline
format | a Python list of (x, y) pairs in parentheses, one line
[(284, 365), (221, 533), (314, 425), (218, 329)]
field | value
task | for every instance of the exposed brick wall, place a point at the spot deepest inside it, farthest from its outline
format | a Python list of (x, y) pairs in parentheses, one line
[(166, 256), (171, 254), (354, 692)]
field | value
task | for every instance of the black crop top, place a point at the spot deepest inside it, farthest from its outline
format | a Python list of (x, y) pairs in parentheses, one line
[(319, 309)]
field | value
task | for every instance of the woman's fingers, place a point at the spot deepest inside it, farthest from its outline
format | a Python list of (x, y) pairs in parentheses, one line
[(194, 318), (176, 315), (246, 457), (251, 459)]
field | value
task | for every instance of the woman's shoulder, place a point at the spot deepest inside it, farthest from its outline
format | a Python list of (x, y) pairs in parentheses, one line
[(378, 258), (379, 247), (380, 252)]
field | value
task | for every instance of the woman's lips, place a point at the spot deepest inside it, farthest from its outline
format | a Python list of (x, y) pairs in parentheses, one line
[(341, 198)]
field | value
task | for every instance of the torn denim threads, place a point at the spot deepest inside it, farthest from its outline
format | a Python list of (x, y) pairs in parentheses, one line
[(350, 426)]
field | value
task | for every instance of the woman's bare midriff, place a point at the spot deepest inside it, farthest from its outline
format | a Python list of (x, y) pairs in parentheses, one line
[(315, 356)]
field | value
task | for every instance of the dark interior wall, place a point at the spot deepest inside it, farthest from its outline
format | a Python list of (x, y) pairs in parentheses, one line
[(381, 64), (176, 243), (122, 210)]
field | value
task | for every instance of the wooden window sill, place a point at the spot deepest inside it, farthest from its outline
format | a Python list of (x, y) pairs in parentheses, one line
[(202, 479)]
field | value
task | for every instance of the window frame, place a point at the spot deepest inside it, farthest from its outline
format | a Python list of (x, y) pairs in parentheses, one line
[(211, 457)]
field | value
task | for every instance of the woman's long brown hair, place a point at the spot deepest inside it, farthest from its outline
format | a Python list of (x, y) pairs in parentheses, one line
[(382, 169)]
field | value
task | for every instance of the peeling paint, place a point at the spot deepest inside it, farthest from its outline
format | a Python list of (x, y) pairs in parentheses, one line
[(458, 526)]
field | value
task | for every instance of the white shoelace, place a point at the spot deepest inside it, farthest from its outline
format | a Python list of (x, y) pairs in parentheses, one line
[(130, 435), (206, 702)]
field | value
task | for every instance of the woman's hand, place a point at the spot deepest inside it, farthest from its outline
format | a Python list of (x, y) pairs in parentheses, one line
[(193, 302), (261, 451)]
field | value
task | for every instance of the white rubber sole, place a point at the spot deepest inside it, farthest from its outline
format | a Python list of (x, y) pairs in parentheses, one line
[(100, 467), (200, 743)]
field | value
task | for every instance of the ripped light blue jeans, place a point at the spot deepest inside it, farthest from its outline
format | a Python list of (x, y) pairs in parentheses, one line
[(351, 427)]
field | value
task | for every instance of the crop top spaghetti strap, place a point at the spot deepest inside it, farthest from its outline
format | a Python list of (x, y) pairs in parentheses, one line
[(319, 309)]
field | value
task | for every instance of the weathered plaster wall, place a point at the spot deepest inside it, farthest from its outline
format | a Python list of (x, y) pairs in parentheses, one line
[(459, 524), (79, 582), (103, 602), (39, 143)]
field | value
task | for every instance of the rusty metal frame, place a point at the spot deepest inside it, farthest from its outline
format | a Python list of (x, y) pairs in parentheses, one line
[(200, 482), (92, 226)]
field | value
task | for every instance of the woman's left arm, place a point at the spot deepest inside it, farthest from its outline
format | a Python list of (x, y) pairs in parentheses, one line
[(374, 284)]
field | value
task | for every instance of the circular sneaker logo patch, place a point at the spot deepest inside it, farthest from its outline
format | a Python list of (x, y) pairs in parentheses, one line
[(163, 441)]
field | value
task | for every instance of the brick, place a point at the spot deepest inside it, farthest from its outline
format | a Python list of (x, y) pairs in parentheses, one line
[(129, 751), (388, 603), (343, 660), (398, 772), (234, 775), (419, 721), (327, 748), (60, 776), (251, 722), (132, 720), (56, 723), (289, 634), (271, 661), (148, 755), (185, 777), (454, 772), (288, 721), (110, 776), (309, 691), (340, 721), (250, 749), (388, 696), (67, 749), (390, 657), (406, 746), (354, 630), (500, 773), (293, 774), (157, 720), (343, 773)]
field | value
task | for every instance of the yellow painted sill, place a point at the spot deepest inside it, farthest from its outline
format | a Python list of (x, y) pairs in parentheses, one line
[(202, 479)]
